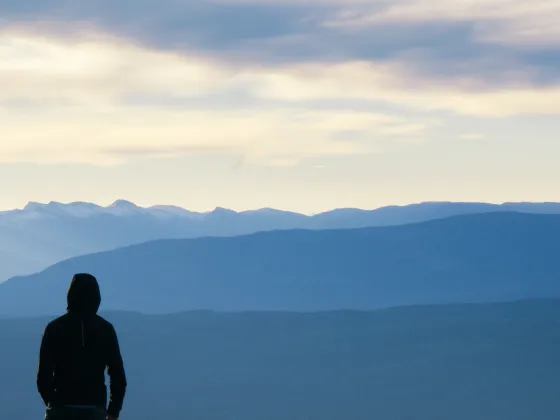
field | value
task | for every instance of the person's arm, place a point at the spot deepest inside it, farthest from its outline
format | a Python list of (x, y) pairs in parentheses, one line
[(45, 372), (117, 376)]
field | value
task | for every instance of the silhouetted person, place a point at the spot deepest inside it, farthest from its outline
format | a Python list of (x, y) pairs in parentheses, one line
[(75, 351)]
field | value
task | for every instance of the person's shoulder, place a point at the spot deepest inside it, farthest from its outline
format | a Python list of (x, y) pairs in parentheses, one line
[(57, 323), (103, 322), (58, 320)]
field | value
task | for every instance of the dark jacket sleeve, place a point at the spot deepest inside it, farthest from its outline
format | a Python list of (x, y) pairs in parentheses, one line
[(117, 376), (45, 373)]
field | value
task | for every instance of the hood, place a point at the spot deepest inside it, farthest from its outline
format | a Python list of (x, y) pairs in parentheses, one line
[(84, 296)]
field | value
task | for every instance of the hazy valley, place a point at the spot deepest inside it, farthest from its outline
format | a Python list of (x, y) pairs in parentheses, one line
[(461, 362), (286, 321)]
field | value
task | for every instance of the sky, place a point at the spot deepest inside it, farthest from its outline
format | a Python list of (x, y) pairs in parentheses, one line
[(303, 105)]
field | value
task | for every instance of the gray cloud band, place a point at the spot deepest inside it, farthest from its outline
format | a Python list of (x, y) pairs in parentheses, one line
[(274, 33)]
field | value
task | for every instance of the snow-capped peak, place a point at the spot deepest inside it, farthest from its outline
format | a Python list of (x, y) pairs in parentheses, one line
[(121, 208), (123, 204), (32, 206), (53, 208)]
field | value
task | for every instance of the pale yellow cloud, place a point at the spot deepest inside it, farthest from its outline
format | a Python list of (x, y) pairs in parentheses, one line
[(391, 82), (97, 70), (472, 136), (120, 133), (62, 101)]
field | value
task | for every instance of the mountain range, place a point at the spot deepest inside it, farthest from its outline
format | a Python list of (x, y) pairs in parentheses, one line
[(33, 238), (435, 310), (487, 257), (460, 362)]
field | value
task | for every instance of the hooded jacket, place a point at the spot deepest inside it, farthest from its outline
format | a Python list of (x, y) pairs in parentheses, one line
[(76, 349)]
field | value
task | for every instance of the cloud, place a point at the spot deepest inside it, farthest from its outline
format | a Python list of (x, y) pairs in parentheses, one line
[(73, 101), (392, 82), (102, 82), (94, 69), (100, 99), (479, 39), (475, 38), (100, 70), (155, 131), (472, 136), (496, 21), (265, 137)]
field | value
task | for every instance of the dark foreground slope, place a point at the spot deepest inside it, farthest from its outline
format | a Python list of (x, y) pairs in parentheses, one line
[(490, 362), (475, 258)]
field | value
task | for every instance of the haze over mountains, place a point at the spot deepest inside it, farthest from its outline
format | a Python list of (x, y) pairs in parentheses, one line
[(486, 257), (459, 362), (40, 235), (299, 333)]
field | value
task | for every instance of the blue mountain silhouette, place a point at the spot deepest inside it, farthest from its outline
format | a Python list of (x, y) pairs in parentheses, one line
[(473, 258)]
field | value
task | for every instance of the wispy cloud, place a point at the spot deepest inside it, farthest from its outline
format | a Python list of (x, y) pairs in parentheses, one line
[(71, 99), (103, 82), (281, 31), (472, 136), (495, 21), (107, 71)]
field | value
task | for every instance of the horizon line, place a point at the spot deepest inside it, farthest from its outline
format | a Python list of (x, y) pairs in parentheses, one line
[(120, 202)]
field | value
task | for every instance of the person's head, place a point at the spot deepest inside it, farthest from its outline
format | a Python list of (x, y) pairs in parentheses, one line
[(83, 296)]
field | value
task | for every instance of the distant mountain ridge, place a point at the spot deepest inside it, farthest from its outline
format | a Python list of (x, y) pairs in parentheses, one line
[(84, 210), (486, 257), (40, 235), (380, 216)]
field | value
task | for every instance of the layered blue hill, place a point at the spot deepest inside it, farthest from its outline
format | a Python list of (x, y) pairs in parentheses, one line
[(473, 258), (40, 235), (459, 362)]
